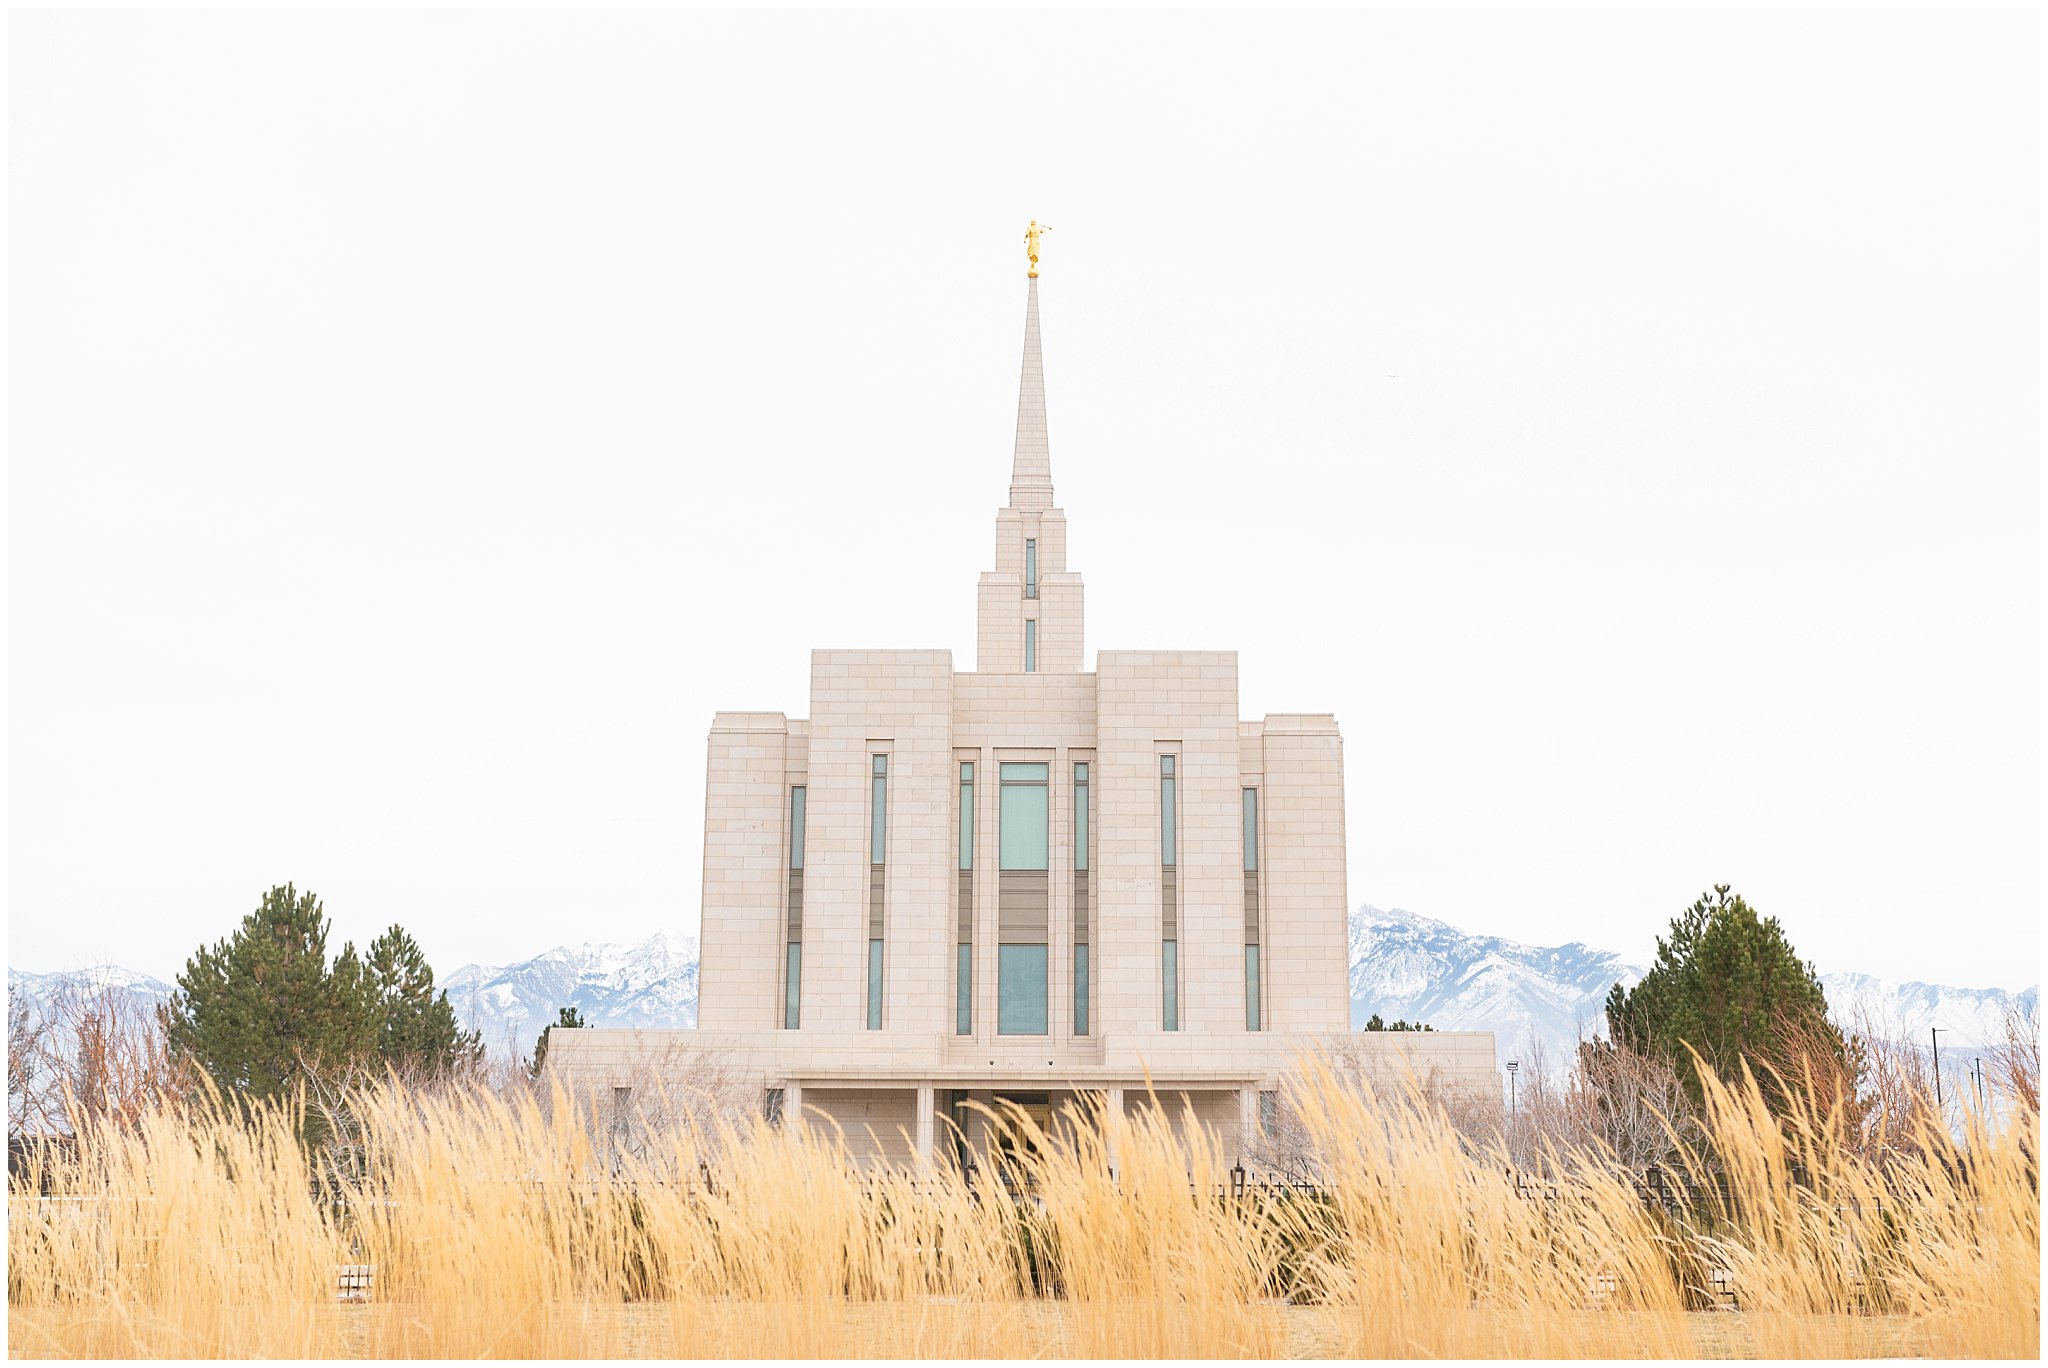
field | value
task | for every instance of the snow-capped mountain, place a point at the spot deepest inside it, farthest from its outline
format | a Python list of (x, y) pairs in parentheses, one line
[(652, 984), (1415, 968), (42, 990), (1905, 1011), (1403, 966), (1409, 966)]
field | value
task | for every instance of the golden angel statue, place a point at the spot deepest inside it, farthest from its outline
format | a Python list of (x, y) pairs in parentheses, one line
[(1031, 236)]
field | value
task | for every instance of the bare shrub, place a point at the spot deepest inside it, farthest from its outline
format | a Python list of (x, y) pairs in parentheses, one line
[(1282, 1146), (2016, 1060), (1894, 1083), (691, 1085), (1608, 1102), (93, 1052), (687, 1088), (1627, 1104), (26, 1029)]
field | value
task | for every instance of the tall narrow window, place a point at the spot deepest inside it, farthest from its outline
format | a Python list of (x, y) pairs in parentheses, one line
[(1022, 968), (793, 988), (1082, 905), (796, 827), (967, 814), (1253, 918), (879, 829), (1081, 818), (875, 985), (1030, 645), (963, 1005), (1169, 888), (1169, 958), (1024, 843), (1080, 990), (793, 955), (878, 849), (1030, 567), (1167, 842), (963, 992)]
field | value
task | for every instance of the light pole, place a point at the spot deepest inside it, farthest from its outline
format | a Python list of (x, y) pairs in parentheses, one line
[(1513, 1064), (1934, 1034)]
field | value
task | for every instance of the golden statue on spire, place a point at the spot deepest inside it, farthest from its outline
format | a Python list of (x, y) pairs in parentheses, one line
[(1031, 236)]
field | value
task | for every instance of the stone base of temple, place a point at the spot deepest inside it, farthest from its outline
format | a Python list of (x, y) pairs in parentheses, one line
[(899, 1102)]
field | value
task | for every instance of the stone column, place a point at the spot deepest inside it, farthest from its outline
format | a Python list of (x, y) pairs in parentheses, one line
[(924, 1122), (793, 1109), (1247, 1119)]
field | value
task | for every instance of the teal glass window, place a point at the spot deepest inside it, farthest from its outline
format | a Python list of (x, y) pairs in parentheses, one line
[(874, 985), (796, 827), (1168, 842), (1251, 829), (1021, 993), (1081, 817), (1024, 816), (1251, 987), (1030, 568), (1030, 644), (792, 986), (1080, 990), (967, 815), (1169, 962), (963, 1002), (878, 842)]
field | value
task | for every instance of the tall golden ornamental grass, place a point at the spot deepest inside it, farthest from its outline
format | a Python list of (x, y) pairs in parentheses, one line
[(503, 1228)]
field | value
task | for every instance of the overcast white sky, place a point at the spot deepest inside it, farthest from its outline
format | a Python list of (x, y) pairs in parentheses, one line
[(1627, 424)]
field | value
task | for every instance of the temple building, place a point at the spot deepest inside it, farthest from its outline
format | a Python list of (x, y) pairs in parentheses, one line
[(1029, 879)]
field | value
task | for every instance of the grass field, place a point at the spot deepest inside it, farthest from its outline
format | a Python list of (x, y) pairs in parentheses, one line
[(504, 1229), (957, 1330)]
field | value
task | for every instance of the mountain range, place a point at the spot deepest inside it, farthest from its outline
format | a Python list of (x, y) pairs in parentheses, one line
[(1403, 966), (1549, 996), (651, 984)]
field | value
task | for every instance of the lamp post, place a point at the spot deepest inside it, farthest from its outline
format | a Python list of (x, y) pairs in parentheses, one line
[(1513, 1064), (1934, 1034)]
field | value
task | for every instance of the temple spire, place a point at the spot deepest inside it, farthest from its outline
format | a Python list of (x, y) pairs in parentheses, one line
[(1031, 468), (1028, 618)]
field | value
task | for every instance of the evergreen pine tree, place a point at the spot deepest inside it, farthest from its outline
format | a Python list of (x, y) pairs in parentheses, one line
[(569, 1019), (259, 1009), (416, 1030), (1728, 983), (257, 1006)]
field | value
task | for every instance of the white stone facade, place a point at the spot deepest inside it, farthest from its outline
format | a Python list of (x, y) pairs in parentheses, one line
[(1166, 926)]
